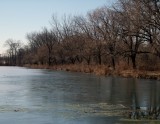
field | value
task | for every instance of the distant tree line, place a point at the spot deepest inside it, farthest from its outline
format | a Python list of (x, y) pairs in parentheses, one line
[(128, 34)]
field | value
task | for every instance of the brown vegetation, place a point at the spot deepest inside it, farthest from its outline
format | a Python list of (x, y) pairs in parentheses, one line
[(102, 70), (122, 40)]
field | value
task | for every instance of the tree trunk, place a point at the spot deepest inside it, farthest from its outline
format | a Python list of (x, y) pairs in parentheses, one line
[(73, 60), (79, 59), (133, 58), (49, 60), (88, 61), (99, 59), (49, 57), (128, 60), (113, 62)]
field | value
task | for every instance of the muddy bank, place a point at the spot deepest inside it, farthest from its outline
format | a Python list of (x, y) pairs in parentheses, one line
[(102, 70), (140, 74)]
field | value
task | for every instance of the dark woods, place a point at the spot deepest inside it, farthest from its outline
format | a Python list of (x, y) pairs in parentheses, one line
[(126, 35)]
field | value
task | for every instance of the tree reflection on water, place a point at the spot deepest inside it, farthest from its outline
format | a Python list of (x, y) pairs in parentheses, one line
[(145, 100)]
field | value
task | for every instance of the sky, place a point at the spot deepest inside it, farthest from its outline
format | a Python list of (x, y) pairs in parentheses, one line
[(19, 17)]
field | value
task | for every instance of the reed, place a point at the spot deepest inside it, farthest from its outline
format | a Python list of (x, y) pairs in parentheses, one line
[(102, 70)]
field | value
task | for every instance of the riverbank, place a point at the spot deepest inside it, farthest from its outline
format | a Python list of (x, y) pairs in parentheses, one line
[(102, 70)]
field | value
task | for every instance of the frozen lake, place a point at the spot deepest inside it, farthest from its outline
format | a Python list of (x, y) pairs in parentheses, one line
[(38, 96)]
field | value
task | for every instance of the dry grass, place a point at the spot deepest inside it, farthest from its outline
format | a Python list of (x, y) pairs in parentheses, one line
[(37, 66), (96, 69), (103, 70), (141, 74)]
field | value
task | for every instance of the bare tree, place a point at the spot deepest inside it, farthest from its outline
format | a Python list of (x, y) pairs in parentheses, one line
[(49, 39), (105, 22), (130, 20), (13, 47), (104, 36)]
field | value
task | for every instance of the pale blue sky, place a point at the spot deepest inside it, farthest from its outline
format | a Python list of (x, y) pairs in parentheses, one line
[(18, 17)]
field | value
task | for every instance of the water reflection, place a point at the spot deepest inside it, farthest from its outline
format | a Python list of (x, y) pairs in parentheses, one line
[(145, 99), (142, 97), (65, 97)]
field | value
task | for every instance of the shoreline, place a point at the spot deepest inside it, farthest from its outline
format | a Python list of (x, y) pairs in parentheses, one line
[(102, 70)]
